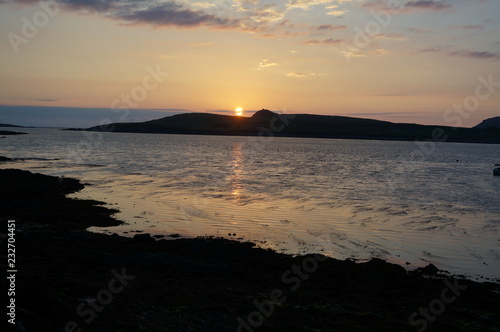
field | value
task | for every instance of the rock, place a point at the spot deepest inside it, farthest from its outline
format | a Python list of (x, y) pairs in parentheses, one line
[(174, 235), (486, 320), (144, 238), (430, 270)]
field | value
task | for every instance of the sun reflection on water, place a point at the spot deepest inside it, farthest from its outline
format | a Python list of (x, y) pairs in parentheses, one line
[(237, 171)]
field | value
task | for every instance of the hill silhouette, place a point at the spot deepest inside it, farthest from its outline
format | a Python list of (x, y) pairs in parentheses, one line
[(490, 123), (267, 123), (9, 125)]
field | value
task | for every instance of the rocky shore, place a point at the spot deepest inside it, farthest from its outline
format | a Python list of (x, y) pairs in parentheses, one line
[(71, 280)]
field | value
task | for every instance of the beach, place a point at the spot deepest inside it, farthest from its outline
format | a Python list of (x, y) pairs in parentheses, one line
[(69, 279)]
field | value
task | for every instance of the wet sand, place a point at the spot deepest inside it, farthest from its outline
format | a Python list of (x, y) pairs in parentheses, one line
[(69, 279)]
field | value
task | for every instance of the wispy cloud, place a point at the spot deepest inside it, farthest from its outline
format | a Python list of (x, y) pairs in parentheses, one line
[(477, 55), (484, 55), (305, 4), (267, 63), (203, 5), (268, 13), (468, 27), (329, 41), (163, 14), (45, 100), (295, 74), (329, 27), (380, 51), (419, 30), (334, 10), (302, 75), (409, 6), (433, 5), (391, 36)]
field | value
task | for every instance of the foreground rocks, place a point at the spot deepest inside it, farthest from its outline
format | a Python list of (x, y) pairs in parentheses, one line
[(72, 280)]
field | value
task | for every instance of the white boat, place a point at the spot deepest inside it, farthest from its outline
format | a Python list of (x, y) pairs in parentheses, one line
[(496, 170)]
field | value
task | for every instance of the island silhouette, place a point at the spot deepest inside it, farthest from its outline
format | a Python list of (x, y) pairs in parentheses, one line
[(268, 123)]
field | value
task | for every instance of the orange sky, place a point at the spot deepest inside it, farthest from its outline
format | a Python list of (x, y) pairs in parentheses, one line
[(420, 61)]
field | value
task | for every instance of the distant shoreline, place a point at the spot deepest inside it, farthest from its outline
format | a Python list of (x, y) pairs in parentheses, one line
[(212, 133), (11, 133)]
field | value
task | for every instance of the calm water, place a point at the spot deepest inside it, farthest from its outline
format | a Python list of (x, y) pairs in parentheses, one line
[(346, 198)]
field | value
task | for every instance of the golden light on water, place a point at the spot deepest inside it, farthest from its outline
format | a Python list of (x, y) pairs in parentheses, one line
[(239, 111)]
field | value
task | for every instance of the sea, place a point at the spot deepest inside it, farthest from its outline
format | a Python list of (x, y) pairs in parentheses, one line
[(411, 203)]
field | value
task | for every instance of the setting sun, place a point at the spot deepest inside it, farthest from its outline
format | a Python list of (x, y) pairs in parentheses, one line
[(239, 111)]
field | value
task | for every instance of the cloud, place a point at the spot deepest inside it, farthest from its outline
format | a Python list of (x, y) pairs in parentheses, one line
[(329, 41), (301, 75), (295, 74), (203, 4), (263, 18), (384, 113), (334, 11), (305, 4), (409, 6), (380, 51), (484, 55), (45, 100), (477, 55), (391, 36), (433, 5), (420, 30), (337, 12), (351, 53), (266, 63), (268, 13), (330, 27), (245, 5), (468, 27), (161, 14), (173, 14)]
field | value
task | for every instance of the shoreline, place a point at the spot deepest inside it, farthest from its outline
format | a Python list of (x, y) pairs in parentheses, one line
[(253, 134), (206, 284)]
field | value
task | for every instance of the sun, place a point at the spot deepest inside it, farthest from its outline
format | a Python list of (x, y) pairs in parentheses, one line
[(239, 111)]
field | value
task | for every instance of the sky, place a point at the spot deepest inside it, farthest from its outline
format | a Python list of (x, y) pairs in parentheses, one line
[(77, 63)]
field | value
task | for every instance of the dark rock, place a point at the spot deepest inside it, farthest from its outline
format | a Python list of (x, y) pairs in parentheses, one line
[(144, 238), (486, 320), (430, 270)]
